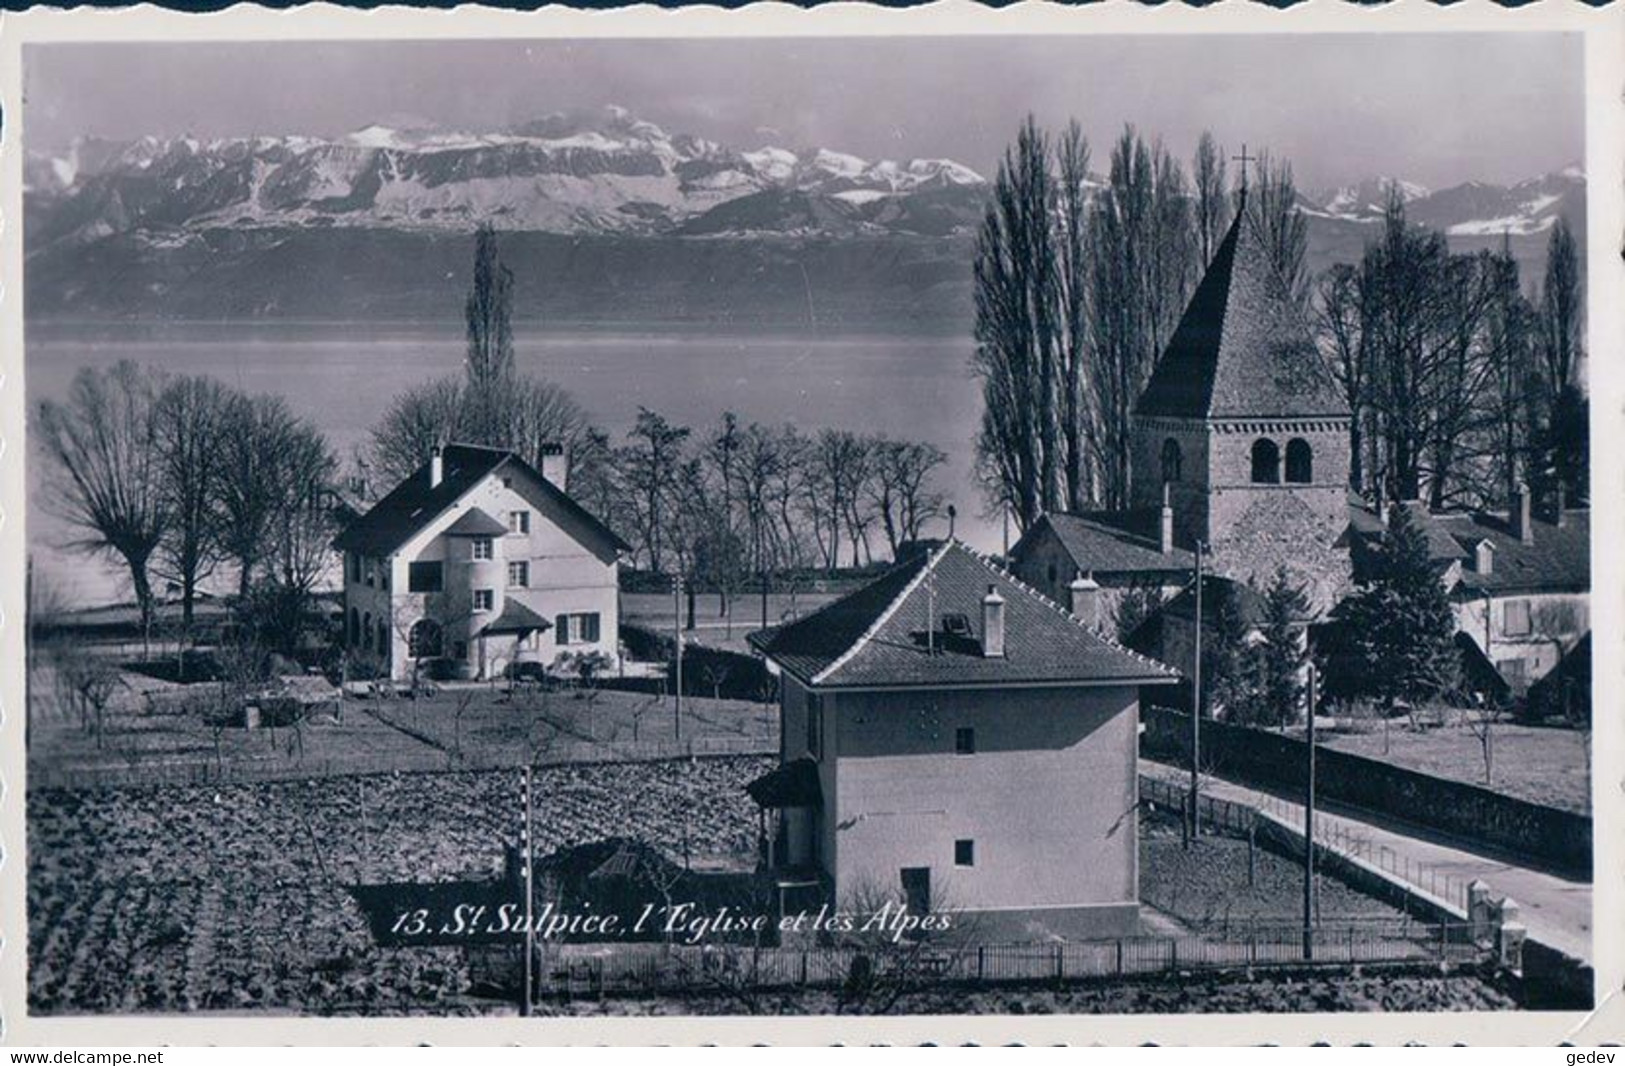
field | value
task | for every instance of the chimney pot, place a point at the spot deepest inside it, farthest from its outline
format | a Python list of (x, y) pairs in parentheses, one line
[(436, 470), (555, 465), (1165, 538), (1484, 557), (1522, 528), (993, 624), (1084, 594)]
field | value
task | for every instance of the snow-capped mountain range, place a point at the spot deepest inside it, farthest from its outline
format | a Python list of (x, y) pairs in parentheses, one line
[(606, 172), (605, 217)]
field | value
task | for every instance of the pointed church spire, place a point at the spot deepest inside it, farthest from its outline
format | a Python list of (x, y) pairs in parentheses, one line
[(1242, 348)]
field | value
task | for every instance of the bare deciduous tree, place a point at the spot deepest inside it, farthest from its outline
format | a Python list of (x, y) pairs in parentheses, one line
[(106, 472)]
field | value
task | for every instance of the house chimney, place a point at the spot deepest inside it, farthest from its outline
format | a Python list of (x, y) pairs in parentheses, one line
[(1519, 516), (1165, 540), (1484, 557), (1084, 600), (555, 468), (993, 624), (437, 469)]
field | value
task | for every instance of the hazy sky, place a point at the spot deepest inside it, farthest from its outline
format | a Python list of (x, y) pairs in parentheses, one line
[(1437, 109)]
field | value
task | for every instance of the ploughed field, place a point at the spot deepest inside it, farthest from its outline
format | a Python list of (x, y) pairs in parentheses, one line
[(232, 898)]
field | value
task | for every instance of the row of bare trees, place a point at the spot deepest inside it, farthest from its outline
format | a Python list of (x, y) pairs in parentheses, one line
[(1462, 385), (1079, 285), (179, 476), (740, 498)]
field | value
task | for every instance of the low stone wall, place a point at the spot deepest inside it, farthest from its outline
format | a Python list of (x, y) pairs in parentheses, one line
[(1549, 836)]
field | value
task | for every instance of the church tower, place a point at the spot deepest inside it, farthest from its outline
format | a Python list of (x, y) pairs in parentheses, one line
[(1244, 425)]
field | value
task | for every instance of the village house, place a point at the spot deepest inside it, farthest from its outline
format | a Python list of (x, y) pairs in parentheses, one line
[(1519, 583), (953, 738), (478, 562)]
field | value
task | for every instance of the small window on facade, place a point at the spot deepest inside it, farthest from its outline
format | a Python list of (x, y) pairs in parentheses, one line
[(964, 853), (1300, 461), (507, 482), (1515, 618), (815, 726), (355, 627), (366, 631), (424, 639), (383, 639), (1172, 460), (367, 566), (561, 629), (965, 741), (424, 577), (484, 599), (519, 521), (519, 575), (482, 548), (587, 627), (1053, 574), (383, 573), (1266, 462), (355, 568)]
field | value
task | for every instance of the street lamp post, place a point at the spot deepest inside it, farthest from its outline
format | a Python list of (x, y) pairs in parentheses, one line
[(1309, 819), (677, 645), (1196, 701)]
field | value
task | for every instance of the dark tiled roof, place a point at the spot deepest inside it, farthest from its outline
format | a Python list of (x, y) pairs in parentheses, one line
[(414, 503), (794, 784), (476, 523), (516, 618), (1108, 542), (876, 637), (1557, 559), (1242, 349)]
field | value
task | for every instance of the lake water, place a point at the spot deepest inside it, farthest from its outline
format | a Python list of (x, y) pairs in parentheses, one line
[(342, 376)]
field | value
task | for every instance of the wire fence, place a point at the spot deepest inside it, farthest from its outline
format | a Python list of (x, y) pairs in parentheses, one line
[(1331, 833), (685, 968)]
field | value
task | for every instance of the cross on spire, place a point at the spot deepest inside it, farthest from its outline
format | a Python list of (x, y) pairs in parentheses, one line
[(1244, 159)]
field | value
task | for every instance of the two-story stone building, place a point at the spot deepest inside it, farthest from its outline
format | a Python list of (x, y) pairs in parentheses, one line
[(476, 562), (955, 739)]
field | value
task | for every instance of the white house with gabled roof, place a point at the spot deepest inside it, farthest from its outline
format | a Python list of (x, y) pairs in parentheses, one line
[(476, 562)]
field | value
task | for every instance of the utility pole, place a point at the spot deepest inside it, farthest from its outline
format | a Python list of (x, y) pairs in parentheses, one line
[(1309, 820), (1196, 700), (528, 874), (677, 644)]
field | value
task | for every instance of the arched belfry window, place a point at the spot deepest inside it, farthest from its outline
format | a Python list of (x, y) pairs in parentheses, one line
[(1266, 462), (425, 639), (1300, 461), (1171, 460)]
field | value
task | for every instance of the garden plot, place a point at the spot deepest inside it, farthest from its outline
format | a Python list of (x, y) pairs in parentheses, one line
[(1207, 884), (233, 898)]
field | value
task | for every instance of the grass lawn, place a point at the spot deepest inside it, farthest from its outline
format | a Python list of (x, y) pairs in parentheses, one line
[(1542, 764), (157, 743)]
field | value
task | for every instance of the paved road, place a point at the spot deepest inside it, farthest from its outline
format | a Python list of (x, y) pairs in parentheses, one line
[(1555, 909)]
